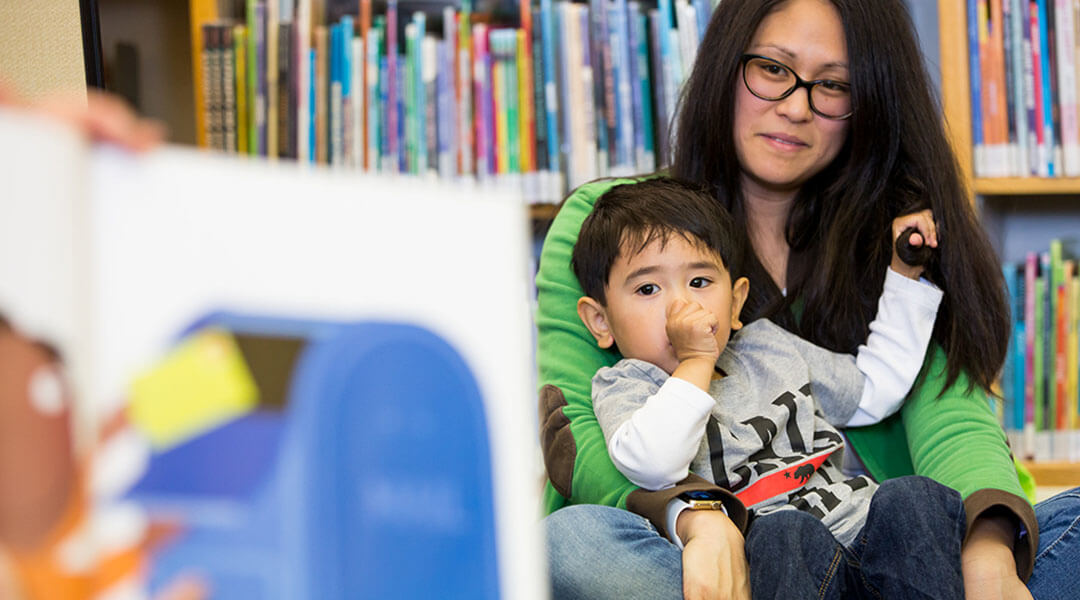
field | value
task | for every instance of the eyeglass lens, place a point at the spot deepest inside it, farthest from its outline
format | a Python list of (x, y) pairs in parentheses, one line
[(771, 80)]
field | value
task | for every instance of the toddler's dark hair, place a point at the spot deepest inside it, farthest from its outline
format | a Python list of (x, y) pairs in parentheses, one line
[(633, 215)]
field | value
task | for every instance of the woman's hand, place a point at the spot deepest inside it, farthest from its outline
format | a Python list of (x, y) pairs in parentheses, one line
[(988, 564), (714, 561), (923, 222)]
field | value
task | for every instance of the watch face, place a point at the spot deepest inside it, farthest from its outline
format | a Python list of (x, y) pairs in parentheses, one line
[(701, 495)]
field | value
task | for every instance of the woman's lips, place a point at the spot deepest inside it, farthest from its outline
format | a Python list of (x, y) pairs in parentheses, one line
[(784, 141)]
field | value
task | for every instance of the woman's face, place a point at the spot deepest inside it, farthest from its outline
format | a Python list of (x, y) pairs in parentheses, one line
[(783, 143)]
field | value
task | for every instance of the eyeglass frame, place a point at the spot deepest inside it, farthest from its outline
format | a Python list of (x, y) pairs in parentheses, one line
[(799, 83)]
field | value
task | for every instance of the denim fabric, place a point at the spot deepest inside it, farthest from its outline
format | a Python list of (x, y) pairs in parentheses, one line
[(1057, 561), (909, 547), (603, 552)]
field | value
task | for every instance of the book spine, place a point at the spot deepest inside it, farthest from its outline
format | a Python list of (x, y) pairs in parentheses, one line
[(240, 87), (228, 89), (1015, 43), (527, 104), (357, 104), (345, 49), (647, 162), (466, 117), (551, 90), (392, 116), (1049, 139), (659, 88), (271, 75), (444, 86), (481, 98), (540, 151), (375, 92), (450, 72), (430, 66), (261, 97), (287, 105), (335, 91), (366, 83), (304, 81), (253, 75), (1065, 39), (591, 158), (602, 93), (321, 109), (1031, 326)]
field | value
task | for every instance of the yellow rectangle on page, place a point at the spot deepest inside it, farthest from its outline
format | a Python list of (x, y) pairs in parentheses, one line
[(202, 383)]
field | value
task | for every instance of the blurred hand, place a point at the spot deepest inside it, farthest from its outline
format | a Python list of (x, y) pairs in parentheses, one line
[(102, 117)]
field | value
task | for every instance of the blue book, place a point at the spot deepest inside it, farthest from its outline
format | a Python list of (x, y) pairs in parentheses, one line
[(348, 31), (1017, 76), (312, 106), (420, 92), (977, 146), (658, 89), (551, 92), (1007, 375), (393, 106), (643, 110), (704, 11), (619, 39), (603, 80), (335, 94)]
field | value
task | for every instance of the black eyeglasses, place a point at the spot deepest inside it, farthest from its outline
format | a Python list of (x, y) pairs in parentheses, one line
[(772, 80)]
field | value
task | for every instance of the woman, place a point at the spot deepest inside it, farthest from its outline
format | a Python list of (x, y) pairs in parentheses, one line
[(815, 170)]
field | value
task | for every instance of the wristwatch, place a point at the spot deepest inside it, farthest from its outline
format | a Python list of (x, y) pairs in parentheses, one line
[(703, 499)]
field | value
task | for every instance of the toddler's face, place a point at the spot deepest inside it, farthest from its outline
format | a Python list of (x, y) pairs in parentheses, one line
[(642, 286)]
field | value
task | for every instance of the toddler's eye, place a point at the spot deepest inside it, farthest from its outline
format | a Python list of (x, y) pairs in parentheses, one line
[(648, 289), (700, 282)]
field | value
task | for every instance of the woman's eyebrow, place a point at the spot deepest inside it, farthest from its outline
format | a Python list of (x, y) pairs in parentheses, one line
[(789, 55)]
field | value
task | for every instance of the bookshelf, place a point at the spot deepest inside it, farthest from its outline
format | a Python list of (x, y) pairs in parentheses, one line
[(988, 193)]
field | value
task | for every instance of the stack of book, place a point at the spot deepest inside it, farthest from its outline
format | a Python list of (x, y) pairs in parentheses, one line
[(1024, 87), (567, 93), (1041, 401)]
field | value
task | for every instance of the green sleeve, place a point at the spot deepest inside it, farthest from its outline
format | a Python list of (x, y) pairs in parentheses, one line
[(568, 357), (955, 439)]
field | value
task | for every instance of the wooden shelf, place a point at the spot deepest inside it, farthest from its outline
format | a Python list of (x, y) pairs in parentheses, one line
[(1056, 474), (1027, 186), (543, 212)]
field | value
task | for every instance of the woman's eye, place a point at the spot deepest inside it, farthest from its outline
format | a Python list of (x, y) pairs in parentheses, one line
[(648, 289), (838, 87), (700, 282)]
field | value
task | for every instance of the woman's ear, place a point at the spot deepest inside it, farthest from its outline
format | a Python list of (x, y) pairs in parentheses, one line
[(739, 290), (594, 317)]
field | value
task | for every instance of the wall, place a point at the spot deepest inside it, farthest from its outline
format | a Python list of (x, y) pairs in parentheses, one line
[(41, 47)]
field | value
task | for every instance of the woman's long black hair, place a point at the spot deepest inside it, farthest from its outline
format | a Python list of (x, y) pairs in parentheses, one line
[(896, 160)]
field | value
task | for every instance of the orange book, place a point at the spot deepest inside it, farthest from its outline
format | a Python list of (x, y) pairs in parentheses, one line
[(202, 12), (365, 26)]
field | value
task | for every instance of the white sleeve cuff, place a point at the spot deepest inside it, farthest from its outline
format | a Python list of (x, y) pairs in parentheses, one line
[(675, 508)]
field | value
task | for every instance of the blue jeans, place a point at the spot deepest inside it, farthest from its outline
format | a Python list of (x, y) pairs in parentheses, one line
[(1057, 560), (603, 552), (909, 547)]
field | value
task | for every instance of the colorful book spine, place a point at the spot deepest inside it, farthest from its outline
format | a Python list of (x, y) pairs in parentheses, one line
[(304, 81), (322, 95), (345, 50), (466, 123), (429, 151), (357, 104), (591, 159), (1065, 39), (335, 90), (545, 192), (375, 90), (527, 112), (392, 115), (450, 73), (481, 99), (366, 83), (228, 89), (409, 77), (551, 90), (271, 75), (1049, 137), (603, 88), (618, 39), (643, 99), (240, 87), (253, 35)]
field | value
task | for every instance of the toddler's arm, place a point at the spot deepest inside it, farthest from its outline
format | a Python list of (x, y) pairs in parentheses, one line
[(653, 423)]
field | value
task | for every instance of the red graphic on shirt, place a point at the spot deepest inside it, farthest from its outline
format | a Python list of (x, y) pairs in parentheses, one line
[(782, 481)]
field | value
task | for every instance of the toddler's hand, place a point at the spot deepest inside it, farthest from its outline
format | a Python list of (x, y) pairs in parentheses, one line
[(692, 331), (923, 223)]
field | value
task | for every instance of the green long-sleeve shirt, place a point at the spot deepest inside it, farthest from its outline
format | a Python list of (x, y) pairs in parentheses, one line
[(954, 439)]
